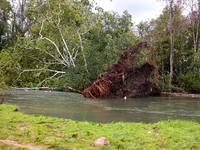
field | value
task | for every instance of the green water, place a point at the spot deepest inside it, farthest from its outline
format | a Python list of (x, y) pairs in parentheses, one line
[(72, 106)]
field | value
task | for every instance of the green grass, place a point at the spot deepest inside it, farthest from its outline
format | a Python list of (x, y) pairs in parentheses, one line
[(66, 134), (5, 146)]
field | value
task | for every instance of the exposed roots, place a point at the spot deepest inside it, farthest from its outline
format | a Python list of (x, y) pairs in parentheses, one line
[(126, 77)]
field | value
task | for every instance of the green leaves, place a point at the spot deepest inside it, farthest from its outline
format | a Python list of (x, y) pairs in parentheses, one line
[(5, 5)]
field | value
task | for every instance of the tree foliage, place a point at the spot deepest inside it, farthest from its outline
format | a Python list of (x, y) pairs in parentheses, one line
[(51, 43)]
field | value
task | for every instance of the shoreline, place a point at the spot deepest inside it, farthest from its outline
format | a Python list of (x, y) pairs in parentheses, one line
[(162, 94), (36, 132), (179, 94)]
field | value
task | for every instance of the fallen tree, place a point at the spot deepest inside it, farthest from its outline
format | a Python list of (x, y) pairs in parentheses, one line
[(129, 77)]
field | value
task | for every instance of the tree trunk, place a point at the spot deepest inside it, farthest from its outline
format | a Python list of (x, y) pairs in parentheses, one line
[(195, 20), (73, 90), (198, 25), (6, 25), (22, 17), (14, 28), (171, 43), (195, 23)]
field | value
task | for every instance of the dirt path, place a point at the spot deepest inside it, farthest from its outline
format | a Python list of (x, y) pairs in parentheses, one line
[(16, 145)]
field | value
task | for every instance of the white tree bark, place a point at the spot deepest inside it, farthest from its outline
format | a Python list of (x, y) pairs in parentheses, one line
[(195, 20), (63, 52)]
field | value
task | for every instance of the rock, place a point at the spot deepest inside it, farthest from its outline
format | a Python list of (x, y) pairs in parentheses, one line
[(150, 132), (100, 141)]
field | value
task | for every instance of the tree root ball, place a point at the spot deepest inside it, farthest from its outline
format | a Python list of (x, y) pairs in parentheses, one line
[(123, 79)]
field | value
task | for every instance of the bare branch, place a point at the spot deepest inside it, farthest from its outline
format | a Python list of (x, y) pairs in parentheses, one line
[(74, 58), (42, 69), (65, 44), (80, 39), (29, 70), (67, 49), (13, 64), (45, 38), (6, 64), (52, 56), (57, 63), (64, 54), (82, 51), (48, 78)]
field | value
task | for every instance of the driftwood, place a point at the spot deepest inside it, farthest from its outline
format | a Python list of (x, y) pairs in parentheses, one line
[(71, 89), (36, 88), (179, 94), (126, 78)]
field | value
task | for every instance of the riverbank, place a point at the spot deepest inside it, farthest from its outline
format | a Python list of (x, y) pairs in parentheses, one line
[(18, 130), (179, 94)]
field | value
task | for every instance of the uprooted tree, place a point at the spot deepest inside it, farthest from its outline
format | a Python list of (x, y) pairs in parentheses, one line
[(131, 76)]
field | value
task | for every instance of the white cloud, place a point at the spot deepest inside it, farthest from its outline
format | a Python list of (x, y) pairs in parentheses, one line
[(139, 9)]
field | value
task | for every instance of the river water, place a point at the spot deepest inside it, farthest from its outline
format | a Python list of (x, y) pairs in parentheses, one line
[(71, 106)]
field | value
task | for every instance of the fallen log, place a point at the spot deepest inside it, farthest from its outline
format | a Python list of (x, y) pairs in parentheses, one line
[(36, 88), (179, 94), (71, 89)]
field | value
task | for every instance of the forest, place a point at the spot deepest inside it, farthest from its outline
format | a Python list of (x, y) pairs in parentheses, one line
[(51, 43)]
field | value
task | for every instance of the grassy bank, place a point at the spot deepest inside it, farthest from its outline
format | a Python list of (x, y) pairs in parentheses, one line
[(20, 131)]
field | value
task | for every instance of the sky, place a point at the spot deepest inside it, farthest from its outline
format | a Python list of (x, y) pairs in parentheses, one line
[(140, 10)]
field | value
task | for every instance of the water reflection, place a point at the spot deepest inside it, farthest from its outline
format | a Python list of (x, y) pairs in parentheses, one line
[(72, 106)]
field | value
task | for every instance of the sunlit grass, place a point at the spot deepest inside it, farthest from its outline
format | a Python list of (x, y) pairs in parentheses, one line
[(67, 134)]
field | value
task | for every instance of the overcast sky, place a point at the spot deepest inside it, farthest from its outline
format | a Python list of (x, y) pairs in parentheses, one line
[(139, 9)]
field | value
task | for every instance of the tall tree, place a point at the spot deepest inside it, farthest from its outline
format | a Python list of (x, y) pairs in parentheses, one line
[(142, 27), (171, 15), (5, 9), (162, 40), (175, 8), (22, 18), (56, 40), (194, 19)]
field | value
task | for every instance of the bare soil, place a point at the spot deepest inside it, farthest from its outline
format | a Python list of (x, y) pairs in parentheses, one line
[(17, 145)]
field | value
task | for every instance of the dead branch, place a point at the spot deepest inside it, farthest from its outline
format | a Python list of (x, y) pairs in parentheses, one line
[(36, 88), (42, 69), (147, 29), (71, 89)]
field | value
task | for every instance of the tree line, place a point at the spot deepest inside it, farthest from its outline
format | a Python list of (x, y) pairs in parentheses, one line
[(52, 43)]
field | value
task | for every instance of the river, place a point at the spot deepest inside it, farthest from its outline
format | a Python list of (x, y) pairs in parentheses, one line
[(71, 106)]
